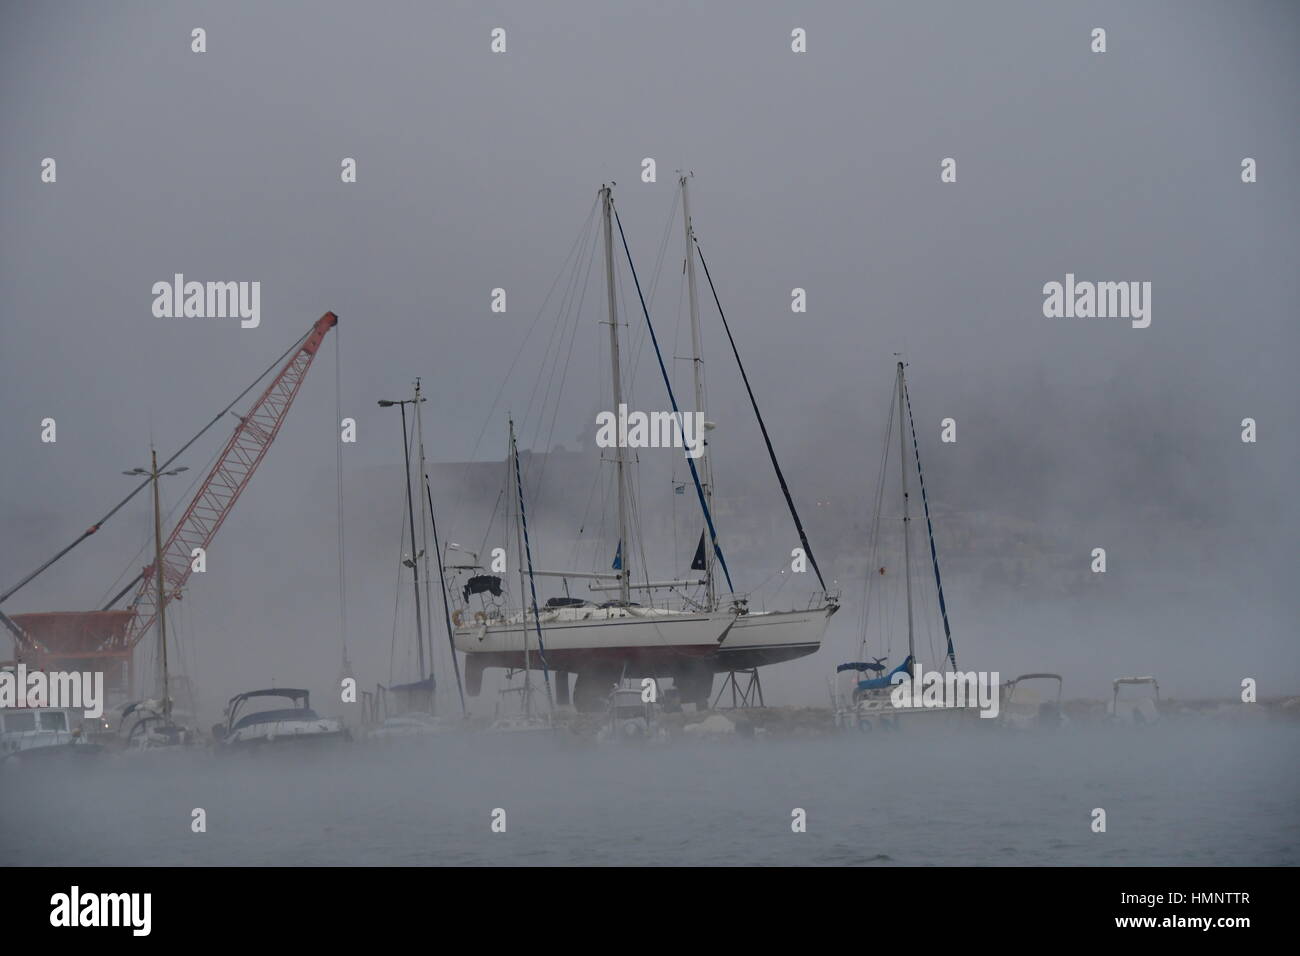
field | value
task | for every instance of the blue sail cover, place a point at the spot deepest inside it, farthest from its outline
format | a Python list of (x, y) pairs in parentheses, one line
[(880, 682)]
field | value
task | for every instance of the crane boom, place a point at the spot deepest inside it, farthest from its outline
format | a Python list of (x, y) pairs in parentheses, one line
[(225, 482)]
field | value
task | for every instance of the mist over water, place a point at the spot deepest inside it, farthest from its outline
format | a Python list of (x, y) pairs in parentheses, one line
[(1191, 794)]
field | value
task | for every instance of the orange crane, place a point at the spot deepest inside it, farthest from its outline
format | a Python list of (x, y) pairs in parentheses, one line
[(106, 639)]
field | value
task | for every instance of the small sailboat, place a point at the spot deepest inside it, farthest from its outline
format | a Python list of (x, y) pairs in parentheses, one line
[(409, 710), (867, 701), (405, 716), (151, 725)]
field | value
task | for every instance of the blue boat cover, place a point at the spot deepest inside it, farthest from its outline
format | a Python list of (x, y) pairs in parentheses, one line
[(886, 681)]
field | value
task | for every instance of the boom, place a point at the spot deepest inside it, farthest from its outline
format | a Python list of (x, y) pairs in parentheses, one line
[(227, 480)]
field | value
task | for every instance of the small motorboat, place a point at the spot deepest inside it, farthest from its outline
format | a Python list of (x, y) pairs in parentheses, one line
[(1135, 710), (413, 725), (1025, 705), (28, 733), (246, 727), (630, 717), (521, 724)]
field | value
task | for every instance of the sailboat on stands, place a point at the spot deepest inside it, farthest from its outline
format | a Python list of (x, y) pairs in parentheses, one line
[(862, 690), (708, 631)]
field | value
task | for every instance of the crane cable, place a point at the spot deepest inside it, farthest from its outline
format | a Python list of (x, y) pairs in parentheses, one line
[(338, 481), (145, 484)]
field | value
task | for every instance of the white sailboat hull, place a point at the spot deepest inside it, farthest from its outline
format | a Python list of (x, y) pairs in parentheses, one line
[(606, 633), (643, 642), (773, 636)]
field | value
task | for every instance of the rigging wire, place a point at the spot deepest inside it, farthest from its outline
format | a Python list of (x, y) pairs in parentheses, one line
[(582, 525), (492, 518), (654, 283), (577, 313), (532, 583), (717, 549), (523, 342), (925, 501), (148, 542), (569, 271), (780, 476), (145, 484), (632, 364), (873, 535), (409, 442), (563, 316), (446, 610)]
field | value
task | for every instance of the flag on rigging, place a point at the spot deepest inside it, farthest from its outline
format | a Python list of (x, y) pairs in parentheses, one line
[(697, 563)]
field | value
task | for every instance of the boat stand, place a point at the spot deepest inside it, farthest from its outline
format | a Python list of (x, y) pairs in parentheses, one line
[(751, 695)]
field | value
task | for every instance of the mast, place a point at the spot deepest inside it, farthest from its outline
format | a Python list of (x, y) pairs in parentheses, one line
[(415, 558), (162, 596), (519, 541), (446, 611), (522, 527), (907, 524), (697, 369), (424, 530), (624, 550)]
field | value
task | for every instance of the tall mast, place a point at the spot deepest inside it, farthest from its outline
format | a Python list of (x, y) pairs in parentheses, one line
[(624, 577), (162, 595), (415, 558), (424, 528), (446, 610), (697, 368), (907, 525), (519, 541)]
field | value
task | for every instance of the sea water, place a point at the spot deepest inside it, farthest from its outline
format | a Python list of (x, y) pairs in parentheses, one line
[(1199, 793)]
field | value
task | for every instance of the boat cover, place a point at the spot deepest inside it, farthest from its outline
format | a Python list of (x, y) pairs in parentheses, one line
[(886, 681)]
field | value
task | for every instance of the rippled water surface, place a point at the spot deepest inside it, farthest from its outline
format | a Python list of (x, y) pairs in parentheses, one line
[(1197, 794)]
